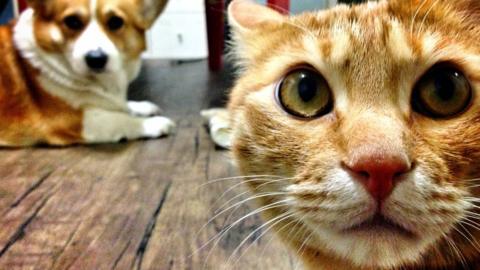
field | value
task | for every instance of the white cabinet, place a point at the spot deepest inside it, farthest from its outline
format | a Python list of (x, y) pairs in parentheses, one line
[(180, 32)]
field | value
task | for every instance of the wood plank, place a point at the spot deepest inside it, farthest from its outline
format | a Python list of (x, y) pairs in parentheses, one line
[(179, 237), (108, 196)]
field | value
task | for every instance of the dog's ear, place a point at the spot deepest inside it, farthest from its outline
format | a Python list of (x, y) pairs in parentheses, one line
[(37, 4), (150, 10), (40, 6)]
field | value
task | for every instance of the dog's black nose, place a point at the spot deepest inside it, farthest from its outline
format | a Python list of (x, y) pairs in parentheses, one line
[(96, 60)]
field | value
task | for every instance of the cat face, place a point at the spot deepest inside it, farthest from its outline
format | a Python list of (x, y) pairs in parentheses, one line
[(368, 117)]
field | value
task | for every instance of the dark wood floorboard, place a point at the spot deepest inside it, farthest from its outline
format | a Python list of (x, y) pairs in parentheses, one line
[(135, 205)]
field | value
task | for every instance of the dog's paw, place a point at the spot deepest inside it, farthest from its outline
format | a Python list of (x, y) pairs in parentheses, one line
[(143, 108), (157, 126)]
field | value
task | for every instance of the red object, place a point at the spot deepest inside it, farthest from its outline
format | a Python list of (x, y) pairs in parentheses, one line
[(378, 171), (22, 5), (215, 29), (282, 6), (215, 10)]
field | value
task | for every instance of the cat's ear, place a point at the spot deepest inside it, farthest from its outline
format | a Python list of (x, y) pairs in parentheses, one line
[(245, 15)]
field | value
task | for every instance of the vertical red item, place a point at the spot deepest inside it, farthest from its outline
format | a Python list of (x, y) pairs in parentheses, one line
[(282, 6), (215, 28), (22, 5)]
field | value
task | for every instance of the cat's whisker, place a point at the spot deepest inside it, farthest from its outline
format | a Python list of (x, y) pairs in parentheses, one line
[(239, 195), (472, 214), (220, 234), (218, 214), (456, 250), (471, 199), (412, 23), (267, 182), (470, 239), (288, 225), (272, 182), (232, 212), (420, 29), (230, 200), (256, 196), (471, 180), (261, 195), (301, 250), (471, 223), (271, 224), (213, 181), (474, 206), (253, 212), (223, 232)]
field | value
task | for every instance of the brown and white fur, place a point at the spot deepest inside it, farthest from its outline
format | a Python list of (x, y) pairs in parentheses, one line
[(49, 94), (372, 56)]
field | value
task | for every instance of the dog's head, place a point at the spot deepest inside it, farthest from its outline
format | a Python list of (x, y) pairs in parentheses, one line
[(94, 36)]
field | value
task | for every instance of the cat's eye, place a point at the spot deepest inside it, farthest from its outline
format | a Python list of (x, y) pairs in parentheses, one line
[(74, 22), (305, 93), (442, 92), (115, 23)]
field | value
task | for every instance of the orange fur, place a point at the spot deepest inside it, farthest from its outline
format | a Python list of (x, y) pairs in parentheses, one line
[(29, 115), (372, 56)]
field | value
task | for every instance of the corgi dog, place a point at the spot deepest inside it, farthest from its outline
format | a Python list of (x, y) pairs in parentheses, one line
[(65, 67)]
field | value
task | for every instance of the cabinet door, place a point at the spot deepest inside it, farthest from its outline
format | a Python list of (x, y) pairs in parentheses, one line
[(180, 32), (178, 36)]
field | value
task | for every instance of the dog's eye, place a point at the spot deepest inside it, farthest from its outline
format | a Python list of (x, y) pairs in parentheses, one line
[(443, 92), (305, 93), (115, 23), (73, 22)]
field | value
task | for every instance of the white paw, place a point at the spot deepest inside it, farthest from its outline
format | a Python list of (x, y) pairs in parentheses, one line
[(157, 126), (143, 108)]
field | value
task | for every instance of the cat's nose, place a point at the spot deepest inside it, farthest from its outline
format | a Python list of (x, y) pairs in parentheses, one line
[(378, 171)]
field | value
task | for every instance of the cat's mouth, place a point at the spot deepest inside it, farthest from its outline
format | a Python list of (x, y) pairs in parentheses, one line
[(379, 224)]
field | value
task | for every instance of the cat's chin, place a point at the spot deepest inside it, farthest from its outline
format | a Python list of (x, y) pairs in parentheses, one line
[(380, 227), (374, 244)]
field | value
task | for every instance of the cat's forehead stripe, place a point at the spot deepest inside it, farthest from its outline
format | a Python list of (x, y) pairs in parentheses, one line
[(397, 42), (429, 44), (341, 47)]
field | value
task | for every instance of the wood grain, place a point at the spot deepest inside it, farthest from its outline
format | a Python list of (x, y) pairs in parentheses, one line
[(136, 205)]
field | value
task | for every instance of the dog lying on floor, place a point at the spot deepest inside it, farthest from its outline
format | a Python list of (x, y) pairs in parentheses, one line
[(65, 67)]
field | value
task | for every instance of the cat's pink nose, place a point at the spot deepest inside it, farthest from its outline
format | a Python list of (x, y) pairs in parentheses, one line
[(379, 172)]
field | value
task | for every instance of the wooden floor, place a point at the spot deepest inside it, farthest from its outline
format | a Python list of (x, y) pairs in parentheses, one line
[(136, 205)]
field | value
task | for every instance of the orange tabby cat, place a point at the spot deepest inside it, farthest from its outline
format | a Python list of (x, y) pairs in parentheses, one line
[(371, 115)]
